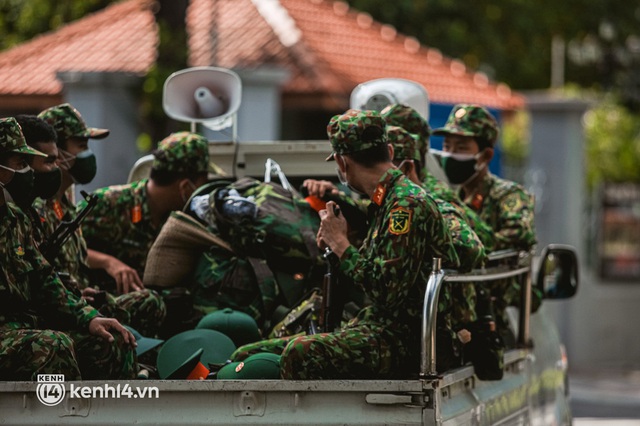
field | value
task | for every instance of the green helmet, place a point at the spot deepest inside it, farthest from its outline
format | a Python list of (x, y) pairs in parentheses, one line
[(181, 351), (144, 343), (240, 327), (257, 366)]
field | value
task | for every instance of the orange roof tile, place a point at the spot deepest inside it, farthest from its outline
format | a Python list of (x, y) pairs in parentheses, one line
[(120, 38), (327, 47)]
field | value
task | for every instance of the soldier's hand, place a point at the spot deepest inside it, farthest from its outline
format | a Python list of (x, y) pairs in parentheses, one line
[(319, 188), (101, 326), (333, 230), (127, 279), (88, 293)]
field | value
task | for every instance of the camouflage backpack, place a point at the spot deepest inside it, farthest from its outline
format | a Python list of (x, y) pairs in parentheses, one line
[(264, 221)]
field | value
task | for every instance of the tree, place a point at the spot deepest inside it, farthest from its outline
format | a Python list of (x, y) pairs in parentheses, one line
[(24, 19), (510, 40)]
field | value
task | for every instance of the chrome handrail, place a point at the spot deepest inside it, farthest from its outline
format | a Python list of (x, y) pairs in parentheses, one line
[(430, 306)]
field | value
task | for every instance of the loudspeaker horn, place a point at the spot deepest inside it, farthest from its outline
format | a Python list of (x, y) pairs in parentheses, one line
[(377, 94), (206, 95)]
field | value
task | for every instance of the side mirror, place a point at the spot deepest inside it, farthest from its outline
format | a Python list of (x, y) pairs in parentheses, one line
[(558, 273)]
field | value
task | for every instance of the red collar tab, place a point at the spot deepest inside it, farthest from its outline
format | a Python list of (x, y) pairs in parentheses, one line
[(379, 193)]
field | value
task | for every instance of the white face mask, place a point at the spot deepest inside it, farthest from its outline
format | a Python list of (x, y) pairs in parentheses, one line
[(343, 179)]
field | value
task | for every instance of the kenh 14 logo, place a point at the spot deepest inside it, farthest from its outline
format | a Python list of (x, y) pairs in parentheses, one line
[(50, 390)]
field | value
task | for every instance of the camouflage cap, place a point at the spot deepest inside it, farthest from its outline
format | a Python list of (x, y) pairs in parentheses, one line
[(410, 120), (405, 144), (470, 120), (182, 152), (68, 123), (355, 131), (12, 139)]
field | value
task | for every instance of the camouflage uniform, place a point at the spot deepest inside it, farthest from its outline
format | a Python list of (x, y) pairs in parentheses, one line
[(120, 224), (470, 250), (35, 306), (410, 120), (502, 204), (143, 310), (392, 266)]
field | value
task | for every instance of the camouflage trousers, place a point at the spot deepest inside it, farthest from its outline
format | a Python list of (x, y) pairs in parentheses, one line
[(356, 352), (142, 310), (25, 353)]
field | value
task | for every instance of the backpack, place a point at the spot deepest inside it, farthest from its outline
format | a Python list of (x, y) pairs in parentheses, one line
[(266, 221)]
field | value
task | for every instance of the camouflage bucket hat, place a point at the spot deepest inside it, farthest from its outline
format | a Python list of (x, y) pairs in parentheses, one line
[(470, 120), (355, 131), (69, 123), (12, 139), (182, 152), (410, 120), (405, 144)]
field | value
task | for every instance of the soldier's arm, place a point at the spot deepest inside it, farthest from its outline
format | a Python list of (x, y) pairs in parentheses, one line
[(467, 244), (389, 268), (57, 302), (515, 222), (127, 278)]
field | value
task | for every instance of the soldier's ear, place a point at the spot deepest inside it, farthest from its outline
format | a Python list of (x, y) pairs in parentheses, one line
[(486, 155)]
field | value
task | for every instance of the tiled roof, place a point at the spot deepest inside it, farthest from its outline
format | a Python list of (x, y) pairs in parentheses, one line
[(120, 38), (327, 48)]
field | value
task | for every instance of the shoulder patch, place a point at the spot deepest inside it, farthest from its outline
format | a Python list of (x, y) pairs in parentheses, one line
[(400, 221)]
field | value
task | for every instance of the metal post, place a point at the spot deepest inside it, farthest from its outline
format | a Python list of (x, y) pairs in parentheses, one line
[(525, 311), (429, 317)]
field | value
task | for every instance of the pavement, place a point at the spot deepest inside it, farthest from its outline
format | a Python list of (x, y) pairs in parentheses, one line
[(607, 394)]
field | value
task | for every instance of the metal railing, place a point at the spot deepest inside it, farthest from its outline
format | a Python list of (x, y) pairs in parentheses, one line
[(439, 276)]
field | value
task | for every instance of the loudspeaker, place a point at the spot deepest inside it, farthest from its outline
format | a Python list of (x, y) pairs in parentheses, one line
[(377, 94), (206, 95)]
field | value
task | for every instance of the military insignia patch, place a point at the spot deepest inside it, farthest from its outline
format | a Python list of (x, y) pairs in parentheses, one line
[(400, 221), (239, 367), (513, 203), (20, 251)]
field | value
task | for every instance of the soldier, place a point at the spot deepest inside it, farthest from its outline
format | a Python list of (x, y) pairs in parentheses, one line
[(127, 218), (467, 244), (142, 309), (44, 328), (392, 265), (470, 134), (410, 120)]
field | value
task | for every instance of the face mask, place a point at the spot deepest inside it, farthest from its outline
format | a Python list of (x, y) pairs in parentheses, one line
[(84, 169), (185, 197), (460, 168), (20, 187), (47, 184), (343, 180)]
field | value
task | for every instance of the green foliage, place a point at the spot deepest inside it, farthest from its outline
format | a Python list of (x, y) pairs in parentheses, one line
[(516, 138), (510, 40), (22, 20), (613, 143)]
